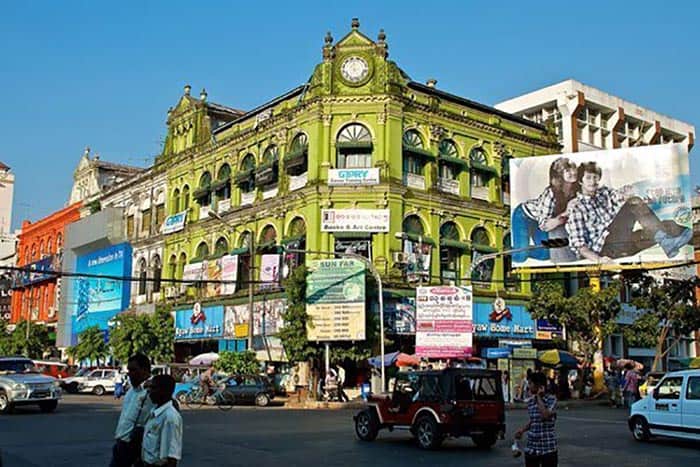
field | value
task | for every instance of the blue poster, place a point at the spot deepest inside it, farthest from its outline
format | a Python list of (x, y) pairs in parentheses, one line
[(98, 299), (199, 322), (499, 319)]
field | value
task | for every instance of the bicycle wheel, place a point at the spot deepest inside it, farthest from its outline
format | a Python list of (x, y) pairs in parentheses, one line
[(195, 399), (223, 402)]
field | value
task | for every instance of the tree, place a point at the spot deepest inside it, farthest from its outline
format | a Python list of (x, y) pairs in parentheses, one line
[(668, 312), (240, 363), (16, 342), (91, 346), (163, 350), (149, 334), (4, 339), (293, 334)]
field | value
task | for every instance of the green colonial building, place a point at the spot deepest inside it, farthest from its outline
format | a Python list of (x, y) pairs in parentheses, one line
[(360, 158)]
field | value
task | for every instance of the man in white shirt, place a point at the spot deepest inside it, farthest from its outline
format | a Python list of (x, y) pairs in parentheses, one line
[(162, 438), (135, 411)]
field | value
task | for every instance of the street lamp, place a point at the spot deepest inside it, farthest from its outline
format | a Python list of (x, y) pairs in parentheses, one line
[(251, 268), (377, 277), (551, 243)]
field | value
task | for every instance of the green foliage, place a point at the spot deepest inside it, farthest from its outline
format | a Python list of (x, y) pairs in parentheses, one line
[(240, 363), (16, 342), (589, 317), (91, 346), (4, 338), (150, 334)]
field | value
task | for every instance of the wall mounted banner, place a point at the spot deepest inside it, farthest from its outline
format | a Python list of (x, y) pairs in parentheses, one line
[(267, 318), (229, 272), (503, 321), (335, 300), (354, 220), (346, 177), (199, 322), (174, 223), (270, 270), (629, 205), (444, 322)]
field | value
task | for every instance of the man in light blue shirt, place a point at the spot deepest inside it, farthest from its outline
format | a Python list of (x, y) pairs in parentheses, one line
[(162, 438), (135, 411)]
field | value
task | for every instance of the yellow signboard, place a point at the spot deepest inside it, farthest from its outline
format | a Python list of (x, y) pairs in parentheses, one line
[(240, 330)]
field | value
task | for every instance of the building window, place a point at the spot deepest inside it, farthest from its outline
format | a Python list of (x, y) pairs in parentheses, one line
[(481, 245), (295, 240), (354, 147), (415, 158), (157, 272), (185, 204), (130, 226), (480, 174), (172, 267), (160, 216), (59, 243), (143, 271), (505, 178), (146, 221), (220, 247), (296, 161), (175, 203), (244, 270), (451, 250), (511, 281), (245, 178), (222, 186), (266, 175), (201, 253), (268, 240), (203, 192), (181, 266), (417, 248)]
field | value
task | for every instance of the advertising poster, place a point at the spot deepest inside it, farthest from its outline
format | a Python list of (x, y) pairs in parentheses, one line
[(444, 322), (229, 272), (199, 322), (98, 299), (400, 315), (418, 261), (354, 220), (174, 223), (629, 205), (503, 320), (193, 272), (267, 317), (214, 272), (335, 300), (269, 271)]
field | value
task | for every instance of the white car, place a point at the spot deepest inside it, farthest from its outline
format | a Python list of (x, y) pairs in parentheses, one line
[(98, 381), (672, 409)]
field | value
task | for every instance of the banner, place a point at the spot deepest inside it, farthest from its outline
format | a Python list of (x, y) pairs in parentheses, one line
[(444, 322), (503, 320), (628, 205), (269, 271), (267, 317), (174, 223), (353, 177), (418, 261), (199, 322), (355, 220), (335, 300), (229, 272)]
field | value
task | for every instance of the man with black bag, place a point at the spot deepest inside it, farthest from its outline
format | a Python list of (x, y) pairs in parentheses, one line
[(136, 409)]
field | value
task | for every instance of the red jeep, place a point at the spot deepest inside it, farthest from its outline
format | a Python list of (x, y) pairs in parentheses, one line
[(435, 404)]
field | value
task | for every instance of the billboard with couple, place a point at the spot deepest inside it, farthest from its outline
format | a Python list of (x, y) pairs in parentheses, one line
[(629, 205)]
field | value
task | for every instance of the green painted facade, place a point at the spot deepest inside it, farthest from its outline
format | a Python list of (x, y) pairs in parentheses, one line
[(411, 127)]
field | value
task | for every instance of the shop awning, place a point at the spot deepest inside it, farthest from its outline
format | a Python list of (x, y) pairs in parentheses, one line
[(420, 239), (240, 251), (450, 243)]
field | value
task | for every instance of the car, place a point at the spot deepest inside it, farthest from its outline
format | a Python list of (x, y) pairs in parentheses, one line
[(21, 384), (435, 404), (52, 368), (672, 409), (650, 381), (247, 389), (98, 381)]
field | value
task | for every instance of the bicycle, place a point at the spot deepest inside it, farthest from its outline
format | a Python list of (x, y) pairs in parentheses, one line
[(196, 398), (222, 400)]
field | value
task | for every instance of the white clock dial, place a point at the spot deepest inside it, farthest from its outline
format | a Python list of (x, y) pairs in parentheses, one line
[(354, 69)]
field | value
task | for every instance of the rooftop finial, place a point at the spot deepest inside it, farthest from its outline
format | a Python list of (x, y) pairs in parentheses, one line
[(328, 39), (203, 94), (381, 37), (188, 88), (355, 24), (431, 82)]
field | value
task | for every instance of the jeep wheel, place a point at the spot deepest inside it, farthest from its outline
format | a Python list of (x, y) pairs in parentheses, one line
[(484, 440), (98, 390), (366, 425), (5, 404), (428, 433), (640, 429), (48, 406)]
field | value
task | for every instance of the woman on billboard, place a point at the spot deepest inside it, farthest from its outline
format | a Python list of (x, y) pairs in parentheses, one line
[(544, 217)]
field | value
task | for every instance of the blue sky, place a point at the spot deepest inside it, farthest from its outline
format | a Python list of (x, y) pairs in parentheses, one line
[(76, 74)]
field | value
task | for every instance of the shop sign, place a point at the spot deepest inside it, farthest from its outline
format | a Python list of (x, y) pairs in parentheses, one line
[(199, 322), (525, 353), (502, 320), (38, 271), (358, 247), (496, 352), (354, 220), (174, 223), (548, 331), (444, 325), (335, 300), (345, 177)]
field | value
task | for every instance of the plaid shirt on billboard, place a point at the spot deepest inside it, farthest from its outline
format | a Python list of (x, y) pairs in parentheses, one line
[(541, 438), (589, 220), (541, 208)]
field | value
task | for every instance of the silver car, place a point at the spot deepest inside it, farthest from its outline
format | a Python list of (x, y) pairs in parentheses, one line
[(21, 384)]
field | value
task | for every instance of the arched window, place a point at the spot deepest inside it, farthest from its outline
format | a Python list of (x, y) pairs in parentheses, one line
[(511, 281), (480, 174), (41, 249), (181, 265), (449, 167), (244, 271), (222, 185), (245, 178), (354, 147), (482, 270), (451, 250), (185, 204), (157, 267), (415, 157), (295, 240), (417, 248), (201, 253), (49, 246), (268, 239), (203, 192), (266, 176), (143, 272), (59, 243), (175, 202), (34, 252), (221, 247), (296, 161), (505, 178), (172, 267)]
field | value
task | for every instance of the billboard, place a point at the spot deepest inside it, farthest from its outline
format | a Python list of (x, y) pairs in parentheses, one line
[(628, 205), (199, 322), (98, 299), (335, 300), (501, 319), (345, 177), (355, 220), (444, 324)]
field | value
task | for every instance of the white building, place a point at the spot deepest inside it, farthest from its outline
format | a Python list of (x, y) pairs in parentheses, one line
[(93, 177), (8, 239), (586, 118)]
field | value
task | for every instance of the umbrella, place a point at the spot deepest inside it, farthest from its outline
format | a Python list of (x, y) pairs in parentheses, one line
[(557, 359), (404, 359), (623, 362), (388, 359), (205, 359)]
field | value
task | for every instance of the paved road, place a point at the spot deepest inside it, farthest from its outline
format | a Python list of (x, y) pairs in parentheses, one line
[(79, 434)]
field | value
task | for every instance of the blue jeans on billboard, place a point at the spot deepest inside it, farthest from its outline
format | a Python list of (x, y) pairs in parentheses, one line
[(523, 230)]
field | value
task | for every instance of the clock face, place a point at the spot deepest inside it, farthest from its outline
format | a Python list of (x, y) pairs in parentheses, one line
[(354, 69)]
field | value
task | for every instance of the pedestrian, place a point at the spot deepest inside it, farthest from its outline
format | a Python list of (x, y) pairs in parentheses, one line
[(612, 381), (135, 409), (630, 390), (505, 385), (541, 446), (162, 438), (119, 385), (341, 382), (523, 392)]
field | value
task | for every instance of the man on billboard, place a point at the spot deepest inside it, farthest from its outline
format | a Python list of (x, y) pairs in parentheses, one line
[(601, 222)]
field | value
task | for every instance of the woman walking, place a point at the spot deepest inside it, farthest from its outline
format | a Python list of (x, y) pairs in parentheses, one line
[(541, 447)]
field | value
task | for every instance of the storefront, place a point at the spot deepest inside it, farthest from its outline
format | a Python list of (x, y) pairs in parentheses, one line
[(198, 330)]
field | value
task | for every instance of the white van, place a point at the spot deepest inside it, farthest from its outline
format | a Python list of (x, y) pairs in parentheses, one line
[(671, 409)]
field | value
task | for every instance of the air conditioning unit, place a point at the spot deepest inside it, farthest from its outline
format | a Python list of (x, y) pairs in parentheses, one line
[(400, 257)]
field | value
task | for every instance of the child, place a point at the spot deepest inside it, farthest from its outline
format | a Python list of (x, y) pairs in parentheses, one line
[(162, 438)]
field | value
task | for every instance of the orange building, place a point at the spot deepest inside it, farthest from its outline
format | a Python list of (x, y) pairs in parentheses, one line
[(40, 249)]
